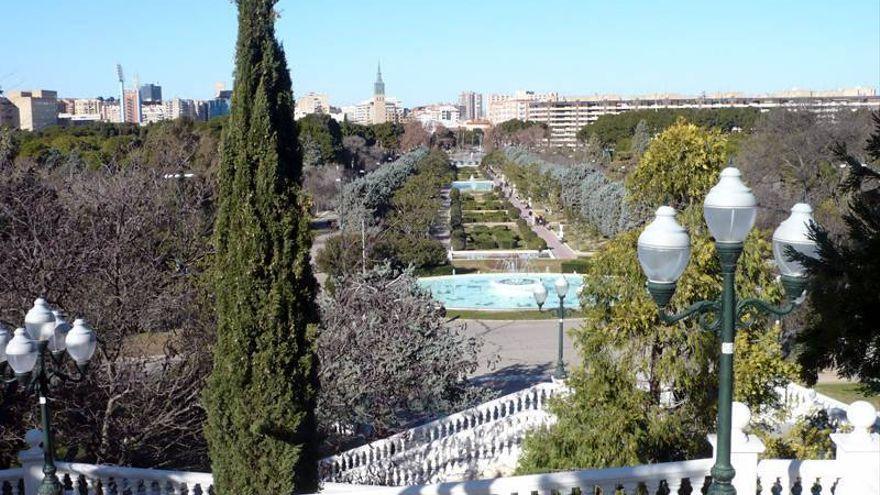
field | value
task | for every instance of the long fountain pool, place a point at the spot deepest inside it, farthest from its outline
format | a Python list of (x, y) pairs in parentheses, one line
[(473, 185), (498, 291)]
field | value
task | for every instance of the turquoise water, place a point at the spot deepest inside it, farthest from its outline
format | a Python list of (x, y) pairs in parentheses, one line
[(473, 185), (499, 290)]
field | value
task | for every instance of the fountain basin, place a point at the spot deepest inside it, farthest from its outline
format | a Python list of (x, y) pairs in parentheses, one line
[(499, 291), (473, 185)]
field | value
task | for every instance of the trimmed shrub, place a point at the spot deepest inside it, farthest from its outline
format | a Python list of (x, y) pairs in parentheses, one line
[(582, 190), (580, 265)]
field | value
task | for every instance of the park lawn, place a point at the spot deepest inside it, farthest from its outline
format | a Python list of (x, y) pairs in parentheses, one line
[(846, 392), (510, 315)]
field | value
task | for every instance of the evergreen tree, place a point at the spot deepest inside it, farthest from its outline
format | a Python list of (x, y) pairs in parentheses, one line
[(594, 151), (844, 333), (645, 392), (640, 138), (261, 396), (680, 165)]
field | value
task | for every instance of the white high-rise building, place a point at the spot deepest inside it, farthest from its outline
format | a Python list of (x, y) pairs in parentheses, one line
[(502, 107), (311, 103)]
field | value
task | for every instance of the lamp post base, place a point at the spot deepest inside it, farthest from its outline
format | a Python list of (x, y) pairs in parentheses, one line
[(50, 486)]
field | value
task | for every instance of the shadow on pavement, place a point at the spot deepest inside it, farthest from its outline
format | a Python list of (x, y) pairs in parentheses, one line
[(510, 379)]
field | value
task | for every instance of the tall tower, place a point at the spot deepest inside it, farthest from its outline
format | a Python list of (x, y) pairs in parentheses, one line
[(121, 93), (380, 112)]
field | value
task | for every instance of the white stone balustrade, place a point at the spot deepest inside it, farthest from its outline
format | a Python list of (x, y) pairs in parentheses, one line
[(672, 475), (458, 430), (488, 436), (12, 480), (112, 480)]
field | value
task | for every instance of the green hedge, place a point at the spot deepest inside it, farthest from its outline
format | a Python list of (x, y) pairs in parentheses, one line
[(580, 265), (485, 216)]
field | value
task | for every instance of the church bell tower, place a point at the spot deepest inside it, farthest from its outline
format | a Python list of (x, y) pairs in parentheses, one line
[(380, 112)]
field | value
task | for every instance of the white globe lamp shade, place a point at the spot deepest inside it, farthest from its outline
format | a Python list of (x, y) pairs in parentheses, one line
[(730, 208), (794, 233), (664, 248), (561, 286), (21, 352), (81, 342), (5, 337), (57, 342), (540, 293), (39, 321)]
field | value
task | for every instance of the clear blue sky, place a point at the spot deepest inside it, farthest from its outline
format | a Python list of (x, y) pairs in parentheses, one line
[(432, 50)]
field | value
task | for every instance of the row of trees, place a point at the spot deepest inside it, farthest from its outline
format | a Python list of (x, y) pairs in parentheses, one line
[(618, 130), (388, 215), (582, 190), (515, 132)]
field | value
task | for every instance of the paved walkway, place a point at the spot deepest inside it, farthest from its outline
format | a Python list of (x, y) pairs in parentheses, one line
[(560, 250), (441, 231), (519, 353)]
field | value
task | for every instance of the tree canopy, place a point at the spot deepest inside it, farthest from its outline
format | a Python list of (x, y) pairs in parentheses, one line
[(680, 165), (617, 129), (843, 334), (324, 133)]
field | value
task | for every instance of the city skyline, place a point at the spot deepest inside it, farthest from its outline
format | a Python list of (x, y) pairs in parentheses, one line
[(686, 48)]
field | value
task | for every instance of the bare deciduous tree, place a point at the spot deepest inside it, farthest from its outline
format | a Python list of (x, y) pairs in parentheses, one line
[(788, 158), (388, 357), (125, 249)]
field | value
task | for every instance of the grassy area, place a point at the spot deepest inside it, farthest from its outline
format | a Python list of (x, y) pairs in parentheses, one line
[(846, 392), (510, 315)]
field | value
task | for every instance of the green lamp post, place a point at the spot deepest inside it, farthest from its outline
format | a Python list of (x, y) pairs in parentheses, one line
[(540, 294), (45, 336), (664, 251)]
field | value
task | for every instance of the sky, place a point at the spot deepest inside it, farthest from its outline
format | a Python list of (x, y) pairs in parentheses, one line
[(432, 50)]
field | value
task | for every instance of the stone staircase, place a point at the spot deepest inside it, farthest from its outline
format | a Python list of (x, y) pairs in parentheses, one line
[(483, 441)]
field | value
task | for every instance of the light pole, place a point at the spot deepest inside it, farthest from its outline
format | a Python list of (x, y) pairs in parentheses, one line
[(561, 285), (540, 294), (25, 353), (664, 251)]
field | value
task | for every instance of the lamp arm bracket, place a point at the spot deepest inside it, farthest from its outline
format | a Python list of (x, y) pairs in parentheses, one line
[(64, 377), (764, 307), (701, 308)]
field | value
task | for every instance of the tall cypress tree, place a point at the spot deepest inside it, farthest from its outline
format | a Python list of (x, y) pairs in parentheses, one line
[(260, 398)]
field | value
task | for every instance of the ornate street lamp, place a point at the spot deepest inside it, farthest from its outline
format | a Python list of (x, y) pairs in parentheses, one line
[(664, 250), (561, 286), (46, 333), (540, 294)]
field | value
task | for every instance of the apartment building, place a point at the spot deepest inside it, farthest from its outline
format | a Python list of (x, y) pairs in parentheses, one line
[(8, 113), (504, 107), (36, 109), (470, 105), (431, 116), (311, 103), (565, 116)]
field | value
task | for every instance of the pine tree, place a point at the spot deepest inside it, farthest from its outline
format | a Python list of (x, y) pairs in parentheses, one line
[(843, 333), (261, 396)]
